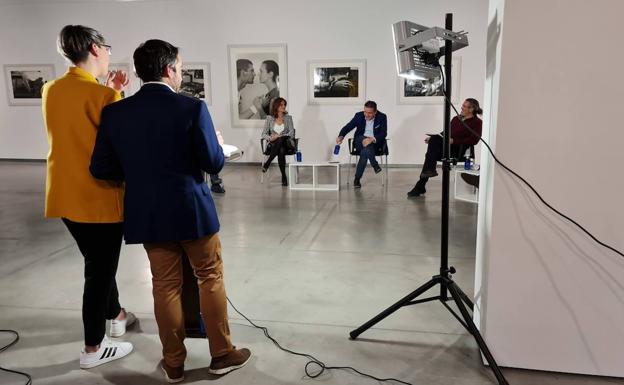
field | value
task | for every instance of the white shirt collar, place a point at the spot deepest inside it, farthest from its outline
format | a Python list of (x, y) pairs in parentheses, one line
[(163, 83)]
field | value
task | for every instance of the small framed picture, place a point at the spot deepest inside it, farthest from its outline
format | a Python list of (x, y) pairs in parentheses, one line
[(196, 81), (257, 76), (337, 81), (429, 91), (25, 82)]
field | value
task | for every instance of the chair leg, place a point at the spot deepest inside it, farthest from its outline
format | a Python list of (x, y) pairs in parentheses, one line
[(262, 173), (349, 170)]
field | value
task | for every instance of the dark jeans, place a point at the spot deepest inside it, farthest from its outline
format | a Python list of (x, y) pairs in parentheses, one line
[(100, 244), (367, 154), (434, 154), (279, 148)]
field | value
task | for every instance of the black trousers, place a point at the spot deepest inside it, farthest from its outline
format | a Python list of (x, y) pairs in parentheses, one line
[(279, 148), (100, 244), (435, 149)]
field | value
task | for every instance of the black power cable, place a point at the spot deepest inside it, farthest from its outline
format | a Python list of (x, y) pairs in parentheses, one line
[(4, 348), (313, 361), (504, 166)]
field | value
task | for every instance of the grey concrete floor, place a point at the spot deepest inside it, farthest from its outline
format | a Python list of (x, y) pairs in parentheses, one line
[(310, 266)]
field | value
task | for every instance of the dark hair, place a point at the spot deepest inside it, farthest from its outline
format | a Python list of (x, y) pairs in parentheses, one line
[(74, 42), (271, 66), (371, 104), (152, 58), (475, 106), (275, 103), (242, 65)]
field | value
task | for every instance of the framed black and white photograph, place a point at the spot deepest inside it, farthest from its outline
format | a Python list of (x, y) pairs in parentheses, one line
[(337, 81), (128, 70), (257, 76), (429, 91), (25, 82), (196, 81)]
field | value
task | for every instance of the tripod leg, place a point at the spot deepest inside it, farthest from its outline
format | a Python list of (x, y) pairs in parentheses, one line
[(402, 302), (464, 297), (472, 328)]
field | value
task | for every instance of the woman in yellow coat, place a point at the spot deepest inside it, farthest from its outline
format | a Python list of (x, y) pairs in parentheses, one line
[(91, 209)]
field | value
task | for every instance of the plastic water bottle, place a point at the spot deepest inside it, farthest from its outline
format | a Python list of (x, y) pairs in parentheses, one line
[(467, 165), (337, 149), (298, 156)]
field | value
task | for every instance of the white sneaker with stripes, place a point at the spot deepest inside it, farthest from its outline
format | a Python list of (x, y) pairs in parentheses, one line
[(108, 351)]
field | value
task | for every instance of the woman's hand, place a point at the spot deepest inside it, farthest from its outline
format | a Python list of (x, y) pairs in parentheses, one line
[(274, 137), (117, 80)]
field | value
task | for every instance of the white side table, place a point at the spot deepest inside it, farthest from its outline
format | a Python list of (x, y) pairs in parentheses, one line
[(295, 185), (465, 192)]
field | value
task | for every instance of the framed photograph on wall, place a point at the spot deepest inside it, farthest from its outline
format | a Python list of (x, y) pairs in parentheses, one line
[(258, 74), (429, 91), (127, 69), (337, 81), (196, 81), (25, 82)]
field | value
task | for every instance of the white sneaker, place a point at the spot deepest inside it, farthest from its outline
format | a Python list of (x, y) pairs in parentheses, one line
[(108, 351), (118, 328)]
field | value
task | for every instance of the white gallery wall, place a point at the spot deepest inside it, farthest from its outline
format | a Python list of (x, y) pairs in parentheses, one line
[(320, 29), (548, 297)]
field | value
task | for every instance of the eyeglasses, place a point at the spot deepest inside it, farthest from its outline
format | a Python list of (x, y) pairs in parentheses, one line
[(109, 49)]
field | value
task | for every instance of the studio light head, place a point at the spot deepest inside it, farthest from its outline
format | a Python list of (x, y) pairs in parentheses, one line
[(418, 48)]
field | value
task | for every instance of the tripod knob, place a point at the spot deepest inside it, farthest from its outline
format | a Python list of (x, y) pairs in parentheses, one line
[(452, 270)]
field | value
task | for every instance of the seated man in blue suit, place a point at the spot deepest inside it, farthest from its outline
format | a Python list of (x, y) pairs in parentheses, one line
[(371, 128), (158, 142)]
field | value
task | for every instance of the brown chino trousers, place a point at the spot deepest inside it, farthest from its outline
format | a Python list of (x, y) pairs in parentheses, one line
[(205, 257)]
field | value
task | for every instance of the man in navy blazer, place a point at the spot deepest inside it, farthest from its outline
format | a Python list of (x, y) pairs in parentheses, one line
[(371, 129), (158, 142)]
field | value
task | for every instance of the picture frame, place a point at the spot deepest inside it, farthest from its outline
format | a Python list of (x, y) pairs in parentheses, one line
[(24, 82), (253, 81), (420, 92), (337, 81), (197, 81)]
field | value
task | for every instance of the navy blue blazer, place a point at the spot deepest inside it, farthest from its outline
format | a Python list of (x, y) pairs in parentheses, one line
[(358, 122), (158, 142)]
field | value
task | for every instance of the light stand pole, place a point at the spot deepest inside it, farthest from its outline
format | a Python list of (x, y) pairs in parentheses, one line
[(444, 279)]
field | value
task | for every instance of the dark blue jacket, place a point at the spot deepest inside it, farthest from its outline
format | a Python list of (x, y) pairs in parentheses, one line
[(359, 123), (159, 142)]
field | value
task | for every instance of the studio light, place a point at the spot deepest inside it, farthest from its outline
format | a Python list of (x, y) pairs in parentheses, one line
[(419, 48)]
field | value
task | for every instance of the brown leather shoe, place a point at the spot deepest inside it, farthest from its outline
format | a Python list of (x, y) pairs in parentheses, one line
[(172, 375), (235, 359)]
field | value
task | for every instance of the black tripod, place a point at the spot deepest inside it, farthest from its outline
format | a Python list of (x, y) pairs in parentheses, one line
[(444, 279)]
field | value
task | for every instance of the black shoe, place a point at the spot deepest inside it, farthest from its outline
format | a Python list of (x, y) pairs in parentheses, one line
[(428, 173), (471, 179), (284, 181), (418, 190), (356, 183), (377, 169), (217, 189)]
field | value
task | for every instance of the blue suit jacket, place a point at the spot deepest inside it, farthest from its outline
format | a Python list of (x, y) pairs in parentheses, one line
[(159, 142), (359, 123)]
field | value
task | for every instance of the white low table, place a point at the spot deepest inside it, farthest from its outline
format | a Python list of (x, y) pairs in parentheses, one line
[(465, 192), (295, 185)]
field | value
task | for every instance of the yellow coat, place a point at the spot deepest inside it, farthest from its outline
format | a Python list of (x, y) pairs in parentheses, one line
[(72, 105)]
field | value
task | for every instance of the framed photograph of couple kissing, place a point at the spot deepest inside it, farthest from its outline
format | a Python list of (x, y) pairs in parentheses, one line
[(258, 74)]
